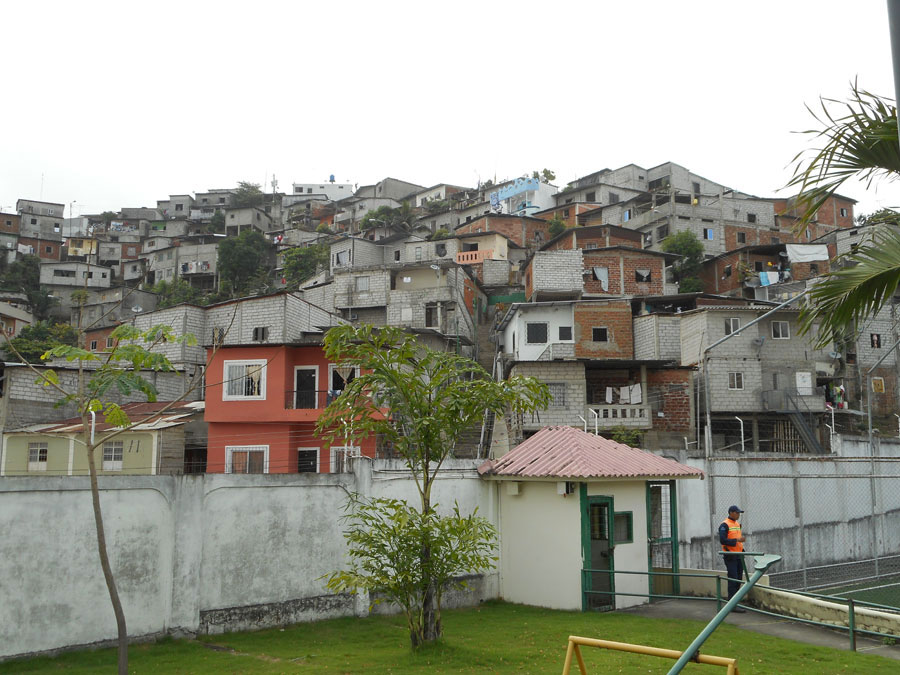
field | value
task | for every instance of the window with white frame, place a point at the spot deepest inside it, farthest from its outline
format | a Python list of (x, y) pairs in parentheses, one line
[(708, 233), (37, 456), (246, 459), (362, 283), (112, 455), (557, 394), (781, 330), (260, 333), (110, 342), (340, 457), (565, 333), (307, 460), (536, 333), (339, 378), (732, 324), (735, 380), (244, 380)]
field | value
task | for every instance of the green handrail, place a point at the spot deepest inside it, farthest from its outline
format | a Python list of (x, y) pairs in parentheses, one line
[(762, 562)]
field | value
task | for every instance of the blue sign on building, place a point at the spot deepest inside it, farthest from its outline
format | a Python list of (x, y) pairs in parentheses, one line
[(518, 187)]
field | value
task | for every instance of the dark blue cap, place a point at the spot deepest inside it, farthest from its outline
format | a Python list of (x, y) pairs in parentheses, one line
[(734, 508)]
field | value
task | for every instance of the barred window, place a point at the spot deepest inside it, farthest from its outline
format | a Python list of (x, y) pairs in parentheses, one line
[(557, 394)]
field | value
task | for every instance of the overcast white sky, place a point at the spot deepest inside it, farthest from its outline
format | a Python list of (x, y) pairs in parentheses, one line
[(119, 104)]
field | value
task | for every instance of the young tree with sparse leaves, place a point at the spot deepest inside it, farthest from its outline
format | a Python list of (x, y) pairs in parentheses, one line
[(419, 401), (113, 374)]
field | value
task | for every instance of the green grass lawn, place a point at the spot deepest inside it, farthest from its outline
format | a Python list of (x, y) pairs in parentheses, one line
[(496, 638)]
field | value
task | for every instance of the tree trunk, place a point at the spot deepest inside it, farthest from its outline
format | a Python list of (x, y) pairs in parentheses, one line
[(431, 617), (107, 570)]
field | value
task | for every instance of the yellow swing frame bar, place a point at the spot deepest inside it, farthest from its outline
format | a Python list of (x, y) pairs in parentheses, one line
[(575, 642)]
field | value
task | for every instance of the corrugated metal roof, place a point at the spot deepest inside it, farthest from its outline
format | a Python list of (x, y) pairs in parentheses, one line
[(146, 417), (566, 452)]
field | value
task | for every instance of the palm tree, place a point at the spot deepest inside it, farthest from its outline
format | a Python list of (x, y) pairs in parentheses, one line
[(859, 139)]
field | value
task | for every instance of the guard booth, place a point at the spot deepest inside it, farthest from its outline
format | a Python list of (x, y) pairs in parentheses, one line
[(575, 508)]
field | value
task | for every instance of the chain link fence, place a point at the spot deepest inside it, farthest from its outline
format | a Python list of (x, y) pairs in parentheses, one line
[(835, 521)]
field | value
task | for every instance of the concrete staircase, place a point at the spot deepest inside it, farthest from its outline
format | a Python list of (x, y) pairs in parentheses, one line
[(471, 442)]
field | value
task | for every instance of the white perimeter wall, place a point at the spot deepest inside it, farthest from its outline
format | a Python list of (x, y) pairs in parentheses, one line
[(202, 553)]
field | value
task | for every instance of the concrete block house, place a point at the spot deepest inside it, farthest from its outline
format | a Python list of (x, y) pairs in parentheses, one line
[(267, 383), (766, 386), (577, 335)]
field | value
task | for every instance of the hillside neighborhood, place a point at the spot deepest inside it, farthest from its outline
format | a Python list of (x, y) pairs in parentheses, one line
[(660, 308), (575, 286)]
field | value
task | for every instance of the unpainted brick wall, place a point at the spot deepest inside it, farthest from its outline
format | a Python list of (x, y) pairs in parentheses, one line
[(616, 318), (670, 392)]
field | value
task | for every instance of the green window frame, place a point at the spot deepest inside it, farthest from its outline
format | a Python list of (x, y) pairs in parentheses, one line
[(627, 517)]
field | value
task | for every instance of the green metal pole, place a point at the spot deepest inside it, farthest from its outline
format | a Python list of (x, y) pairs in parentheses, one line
[(763, 563), (718, 593)]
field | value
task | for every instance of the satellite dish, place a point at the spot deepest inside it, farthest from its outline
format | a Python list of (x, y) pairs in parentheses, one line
[(834, 355), (435, 267), (758, 341), (137, 309)]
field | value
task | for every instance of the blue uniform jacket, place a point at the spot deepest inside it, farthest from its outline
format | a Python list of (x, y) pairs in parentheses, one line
[(723, 536)]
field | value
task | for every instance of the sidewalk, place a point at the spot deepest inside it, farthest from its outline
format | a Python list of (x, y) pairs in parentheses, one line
[(705, 610)]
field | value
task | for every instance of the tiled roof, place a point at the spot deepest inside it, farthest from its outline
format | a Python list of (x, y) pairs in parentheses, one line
[(567, 452)]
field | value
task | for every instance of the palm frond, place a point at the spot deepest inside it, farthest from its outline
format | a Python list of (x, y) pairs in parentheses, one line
[(846, 297), (859, 140)]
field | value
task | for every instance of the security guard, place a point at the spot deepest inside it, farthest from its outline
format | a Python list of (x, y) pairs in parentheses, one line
[(732, 540)]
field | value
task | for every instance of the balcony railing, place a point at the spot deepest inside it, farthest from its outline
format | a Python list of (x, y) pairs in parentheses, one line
[(309, 400), (621, 415), (474, 257)]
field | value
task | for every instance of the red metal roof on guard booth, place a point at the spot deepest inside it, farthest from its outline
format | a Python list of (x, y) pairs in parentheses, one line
[(566, 452)]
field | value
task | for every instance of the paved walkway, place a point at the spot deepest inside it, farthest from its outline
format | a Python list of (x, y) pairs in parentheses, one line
[(705, 610)]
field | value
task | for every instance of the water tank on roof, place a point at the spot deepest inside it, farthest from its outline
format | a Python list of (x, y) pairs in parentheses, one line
[(331, 178)]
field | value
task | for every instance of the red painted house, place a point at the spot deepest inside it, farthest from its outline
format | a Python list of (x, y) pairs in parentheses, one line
[(262, 404)]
